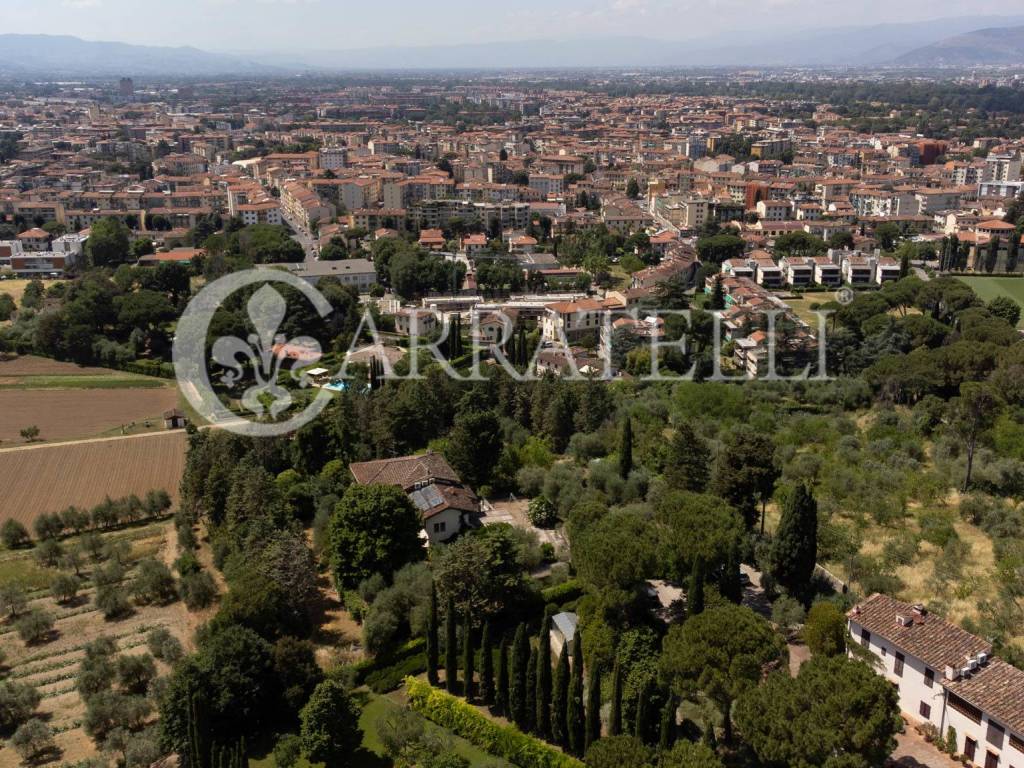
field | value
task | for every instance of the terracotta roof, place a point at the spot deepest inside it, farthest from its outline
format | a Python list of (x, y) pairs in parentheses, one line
[(435, 498), (929, 637), (997, 688), (405, 472)]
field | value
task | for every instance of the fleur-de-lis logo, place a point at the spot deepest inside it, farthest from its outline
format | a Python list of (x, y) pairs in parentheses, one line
[(259, 360), (263, 354)]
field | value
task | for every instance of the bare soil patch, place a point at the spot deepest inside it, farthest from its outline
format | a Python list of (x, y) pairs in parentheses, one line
[(50, 478), (30, 365)]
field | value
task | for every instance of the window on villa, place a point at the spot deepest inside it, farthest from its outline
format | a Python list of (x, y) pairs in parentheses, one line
[(967, 710), (925, 710), (991, 760), (1017, 743), (884, 650), (995, 734), (439, 527), (865, 638), (970, 749), (929, 677), (897, 668)]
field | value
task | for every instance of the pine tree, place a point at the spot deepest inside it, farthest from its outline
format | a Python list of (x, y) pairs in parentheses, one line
[(486, 666), (575, 716), (615, 716), (451, 650), (432, 649), (689, 460), (520, 658), (467, 656), (543, 713), (730, 586), (626, 449), (501, 702), (795, 547), (695, 592), (593, 722), (530, 710), (560, 700), (667, 733)]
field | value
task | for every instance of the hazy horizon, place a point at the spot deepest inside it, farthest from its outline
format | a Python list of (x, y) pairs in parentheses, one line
[(306, 25)]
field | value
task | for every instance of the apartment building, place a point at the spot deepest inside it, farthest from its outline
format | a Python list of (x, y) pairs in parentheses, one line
[(303, 205), (264, 212), (571, 319), (547, 184), (947, 677), (333, 158)]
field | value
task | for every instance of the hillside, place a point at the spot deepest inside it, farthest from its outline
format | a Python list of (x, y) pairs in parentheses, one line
[(63, 54), (994, 45)]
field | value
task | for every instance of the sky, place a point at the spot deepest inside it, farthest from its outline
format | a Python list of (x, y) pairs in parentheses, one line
[(281, 25)]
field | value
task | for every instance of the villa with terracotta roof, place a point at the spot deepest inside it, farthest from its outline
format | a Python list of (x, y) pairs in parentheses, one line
[(447, 505), (947, 677)]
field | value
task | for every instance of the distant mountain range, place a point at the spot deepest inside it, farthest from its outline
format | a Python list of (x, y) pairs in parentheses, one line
[(993, 46), (961, 41), (63, 55)]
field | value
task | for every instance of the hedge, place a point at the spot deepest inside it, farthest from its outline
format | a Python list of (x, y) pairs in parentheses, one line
[(380, 663), (466, 721), (563, 593), (389, 678)]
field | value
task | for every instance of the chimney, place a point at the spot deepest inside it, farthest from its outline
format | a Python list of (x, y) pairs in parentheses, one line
[(904, 621)]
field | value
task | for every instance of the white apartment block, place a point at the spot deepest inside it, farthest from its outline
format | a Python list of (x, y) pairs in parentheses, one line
[(333, 158), (571, 319), (947, 677), (1002, 167)]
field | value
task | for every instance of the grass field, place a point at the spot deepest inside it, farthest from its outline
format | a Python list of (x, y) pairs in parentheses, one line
[(16, 288), (990, 287)]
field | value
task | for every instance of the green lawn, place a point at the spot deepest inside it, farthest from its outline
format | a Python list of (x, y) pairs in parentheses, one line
[(990, 287), (372, 753)]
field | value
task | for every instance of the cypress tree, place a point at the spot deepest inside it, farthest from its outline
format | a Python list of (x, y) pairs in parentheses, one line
[(486, 666), (615, 716), (560, 700), (501, 689), (993, 254), (1012, 252), (731, 587), (521, 347), (689, 460), (626, 449), (575, 715), (717, 296), (904, 264), (530, 712), (520, 658), (467, 657), (667, 734), (795, 548), (640, 726), (593, 722), (432, 650), (695, 592), (543, 713), (451, 650)]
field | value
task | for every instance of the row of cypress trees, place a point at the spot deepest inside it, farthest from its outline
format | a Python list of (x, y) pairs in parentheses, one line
[(551, 703)]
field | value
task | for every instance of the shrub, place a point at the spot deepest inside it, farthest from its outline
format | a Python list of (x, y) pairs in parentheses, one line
[(35, 626), (154, 584), (12, 599), (142, 750), (108, 710), (135, 672), (542, 512), (287, 751), (33, 740), (64, 587), (464, 720), (198, 590), (14, 535), (563, 593), (17, 703), (48, 525), (113, 601), (48, 553), (163, 645), (390, 678)]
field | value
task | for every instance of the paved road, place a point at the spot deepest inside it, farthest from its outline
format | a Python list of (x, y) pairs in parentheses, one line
[(304, 238)]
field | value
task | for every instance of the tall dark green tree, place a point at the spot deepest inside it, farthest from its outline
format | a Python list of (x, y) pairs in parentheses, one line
[(560, 700), (501, 691), (626, 448), (520, 659), (642, 718), (633, 189), (433, 656), (486, 666), (467, 656), (543, 713), (592, 731), (615, 715), (451, 647), (717, 301), (992, 256), (1012, 252), (688, 464), (531, 691), (695, 590), (795, 547), (575, 714), (730, 585), (667, 732)]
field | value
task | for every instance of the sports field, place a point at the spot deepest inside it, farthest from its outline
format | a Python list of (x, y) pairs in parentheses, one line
[(990, 287)]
